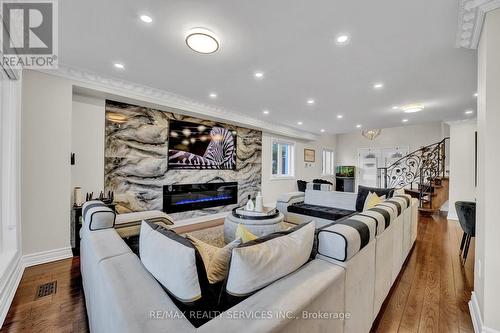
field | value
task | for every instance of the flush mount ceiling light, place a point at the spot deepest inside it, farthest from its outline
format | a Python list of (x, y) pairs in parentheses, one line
[(339, 116), (119, 65), (412, 108), (469, 112), (395, 107), (202, 40), (265, 112), (299, 123), (258, 75), (358, 126), (213, 95), (378, 85), (322, 130), (342, 39), (310, 101), (146, 18), (404, 120), (475, 94), (371, 134)]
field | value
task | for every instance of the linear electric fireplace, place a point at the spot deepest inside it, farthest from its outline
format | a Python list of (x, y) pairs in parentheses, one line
[(184, 197)]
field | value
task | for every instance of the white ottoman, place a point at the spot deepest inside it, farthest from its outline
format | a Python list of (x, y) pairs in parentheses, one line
[(258, 225)]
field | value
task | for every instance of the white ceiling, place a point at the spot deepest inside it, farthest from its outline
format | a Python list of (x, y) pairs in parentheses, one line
[(407, 45)]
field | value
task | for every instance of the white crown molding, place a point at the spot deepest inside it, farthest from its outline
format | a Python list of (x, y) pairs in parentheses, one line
[(471, 15), (141, 93)]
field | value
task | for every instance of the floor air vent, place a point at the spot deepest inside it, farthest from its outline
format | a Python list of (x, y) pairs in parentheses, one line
[(46, 289)]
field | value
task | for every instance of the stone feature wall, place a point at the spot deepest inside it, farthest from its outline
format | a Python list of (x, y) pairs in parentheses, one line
[(136, 159)]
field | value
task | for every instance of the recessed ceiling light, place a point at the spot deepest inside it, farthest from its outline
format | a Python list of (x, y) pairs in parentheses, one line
[(311, 101), (119, 65), (146, 18), (299, 123), (395, 107), (265, 112), (412, 108), (258, 75), (202, 40), (475, 95), (358, 126), (342, 39), (469, 112), (213, 95), (378, 85), (322, 130), (339, 116), (404, 120)]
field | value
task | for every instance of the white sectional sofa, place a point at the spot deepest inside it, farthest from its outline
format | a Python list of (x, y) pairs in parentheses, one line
[(358, 259), (371, 269)]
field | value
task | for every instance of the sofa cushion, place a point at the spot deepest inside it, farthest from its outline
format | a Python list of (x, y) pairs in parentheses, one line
[(341, 240), (96, 215), (319, 187), (363, 192), (258, 263), (379, 218), (327, 213)]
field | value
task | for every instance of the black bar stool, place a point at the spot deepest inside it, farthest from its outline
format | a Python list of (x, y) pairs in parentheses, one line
[(466, 212)]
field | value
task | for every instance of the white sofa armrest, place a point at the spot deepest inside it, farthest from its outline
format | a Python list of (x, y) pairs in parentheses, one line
[(287, 199)]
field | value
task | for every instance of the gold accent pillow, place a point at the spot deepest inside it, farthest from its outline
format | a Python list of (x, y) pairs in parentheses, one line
[(244, 234), (215, 259), (372, 200)]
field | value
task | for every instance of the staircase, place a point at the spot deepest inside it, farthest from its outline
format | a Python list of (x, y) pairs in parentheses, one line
[(422, 174)]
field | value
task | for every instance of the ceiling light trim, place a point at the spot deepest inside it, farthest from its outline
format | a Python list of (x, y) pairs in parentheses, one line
[(471, 15), (188, 106)]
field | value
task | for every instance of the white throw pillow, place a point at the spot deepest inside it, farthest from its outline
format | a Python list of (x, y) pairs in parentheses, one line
[(259, 263), (171, 259)]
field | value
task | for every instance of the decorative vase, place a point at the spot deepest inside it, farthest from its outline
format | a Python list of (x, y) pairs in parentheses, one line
[(78, 196), (259, 203), (250, 205)]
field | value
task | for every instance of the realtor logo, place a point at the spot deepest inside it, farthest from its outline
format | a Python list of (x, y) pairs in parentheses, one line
[(29, 34)]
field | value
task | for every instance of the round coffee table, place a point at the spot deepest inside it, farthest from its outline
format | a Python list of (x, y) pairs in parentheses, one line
[(258, 223)]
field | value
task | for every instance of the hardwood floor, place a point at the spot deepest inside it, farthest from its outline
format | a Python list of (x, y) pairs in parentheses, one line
[(433, 289), (430, 294)]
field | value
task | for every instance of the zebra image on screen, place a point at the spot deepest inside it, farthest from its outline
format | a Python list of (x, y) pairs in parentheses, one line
[(194, 146)]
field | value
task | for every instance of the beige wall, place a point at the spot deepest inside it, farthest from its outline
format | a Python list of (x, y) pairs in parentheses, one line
[(462, 156), (45, 167), (87, 142), (487, 263), (272, 188), (414, 136)]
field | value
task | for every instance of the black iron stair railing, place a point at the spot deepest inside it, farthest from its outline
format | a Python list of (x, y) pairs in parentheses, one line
[(421, 167)]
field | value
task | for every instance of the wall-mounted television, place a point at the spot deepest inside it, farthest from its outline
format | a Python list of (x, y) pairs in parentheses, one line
[(197, 146)]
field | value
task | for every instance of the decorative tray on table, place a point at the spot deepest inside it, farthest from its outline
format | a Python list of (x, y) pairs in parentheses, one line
[(267, 213)]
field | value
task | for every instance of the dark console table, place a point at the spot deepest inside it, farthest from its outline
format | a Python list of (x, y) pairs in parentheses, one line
[(76, 225)]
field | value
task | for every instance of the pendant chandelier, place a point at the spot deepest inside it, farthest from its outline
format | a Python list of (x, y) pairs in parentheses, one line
[(371, 134)]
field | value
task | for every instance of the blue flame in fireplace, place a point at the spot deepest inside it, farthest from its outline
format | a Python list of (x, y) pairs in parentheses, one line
[(215, 198)]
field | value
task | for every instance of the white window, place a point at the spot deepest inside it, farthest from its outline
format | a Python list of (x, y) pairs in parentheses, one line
[(328, 162), (282, 159)]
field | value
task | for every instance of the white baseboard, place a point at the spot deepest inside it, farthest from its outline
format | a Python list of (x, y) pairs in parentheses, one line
[(452, 216), (46, 256), (9, 289), (17, 269), (475, 314)]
